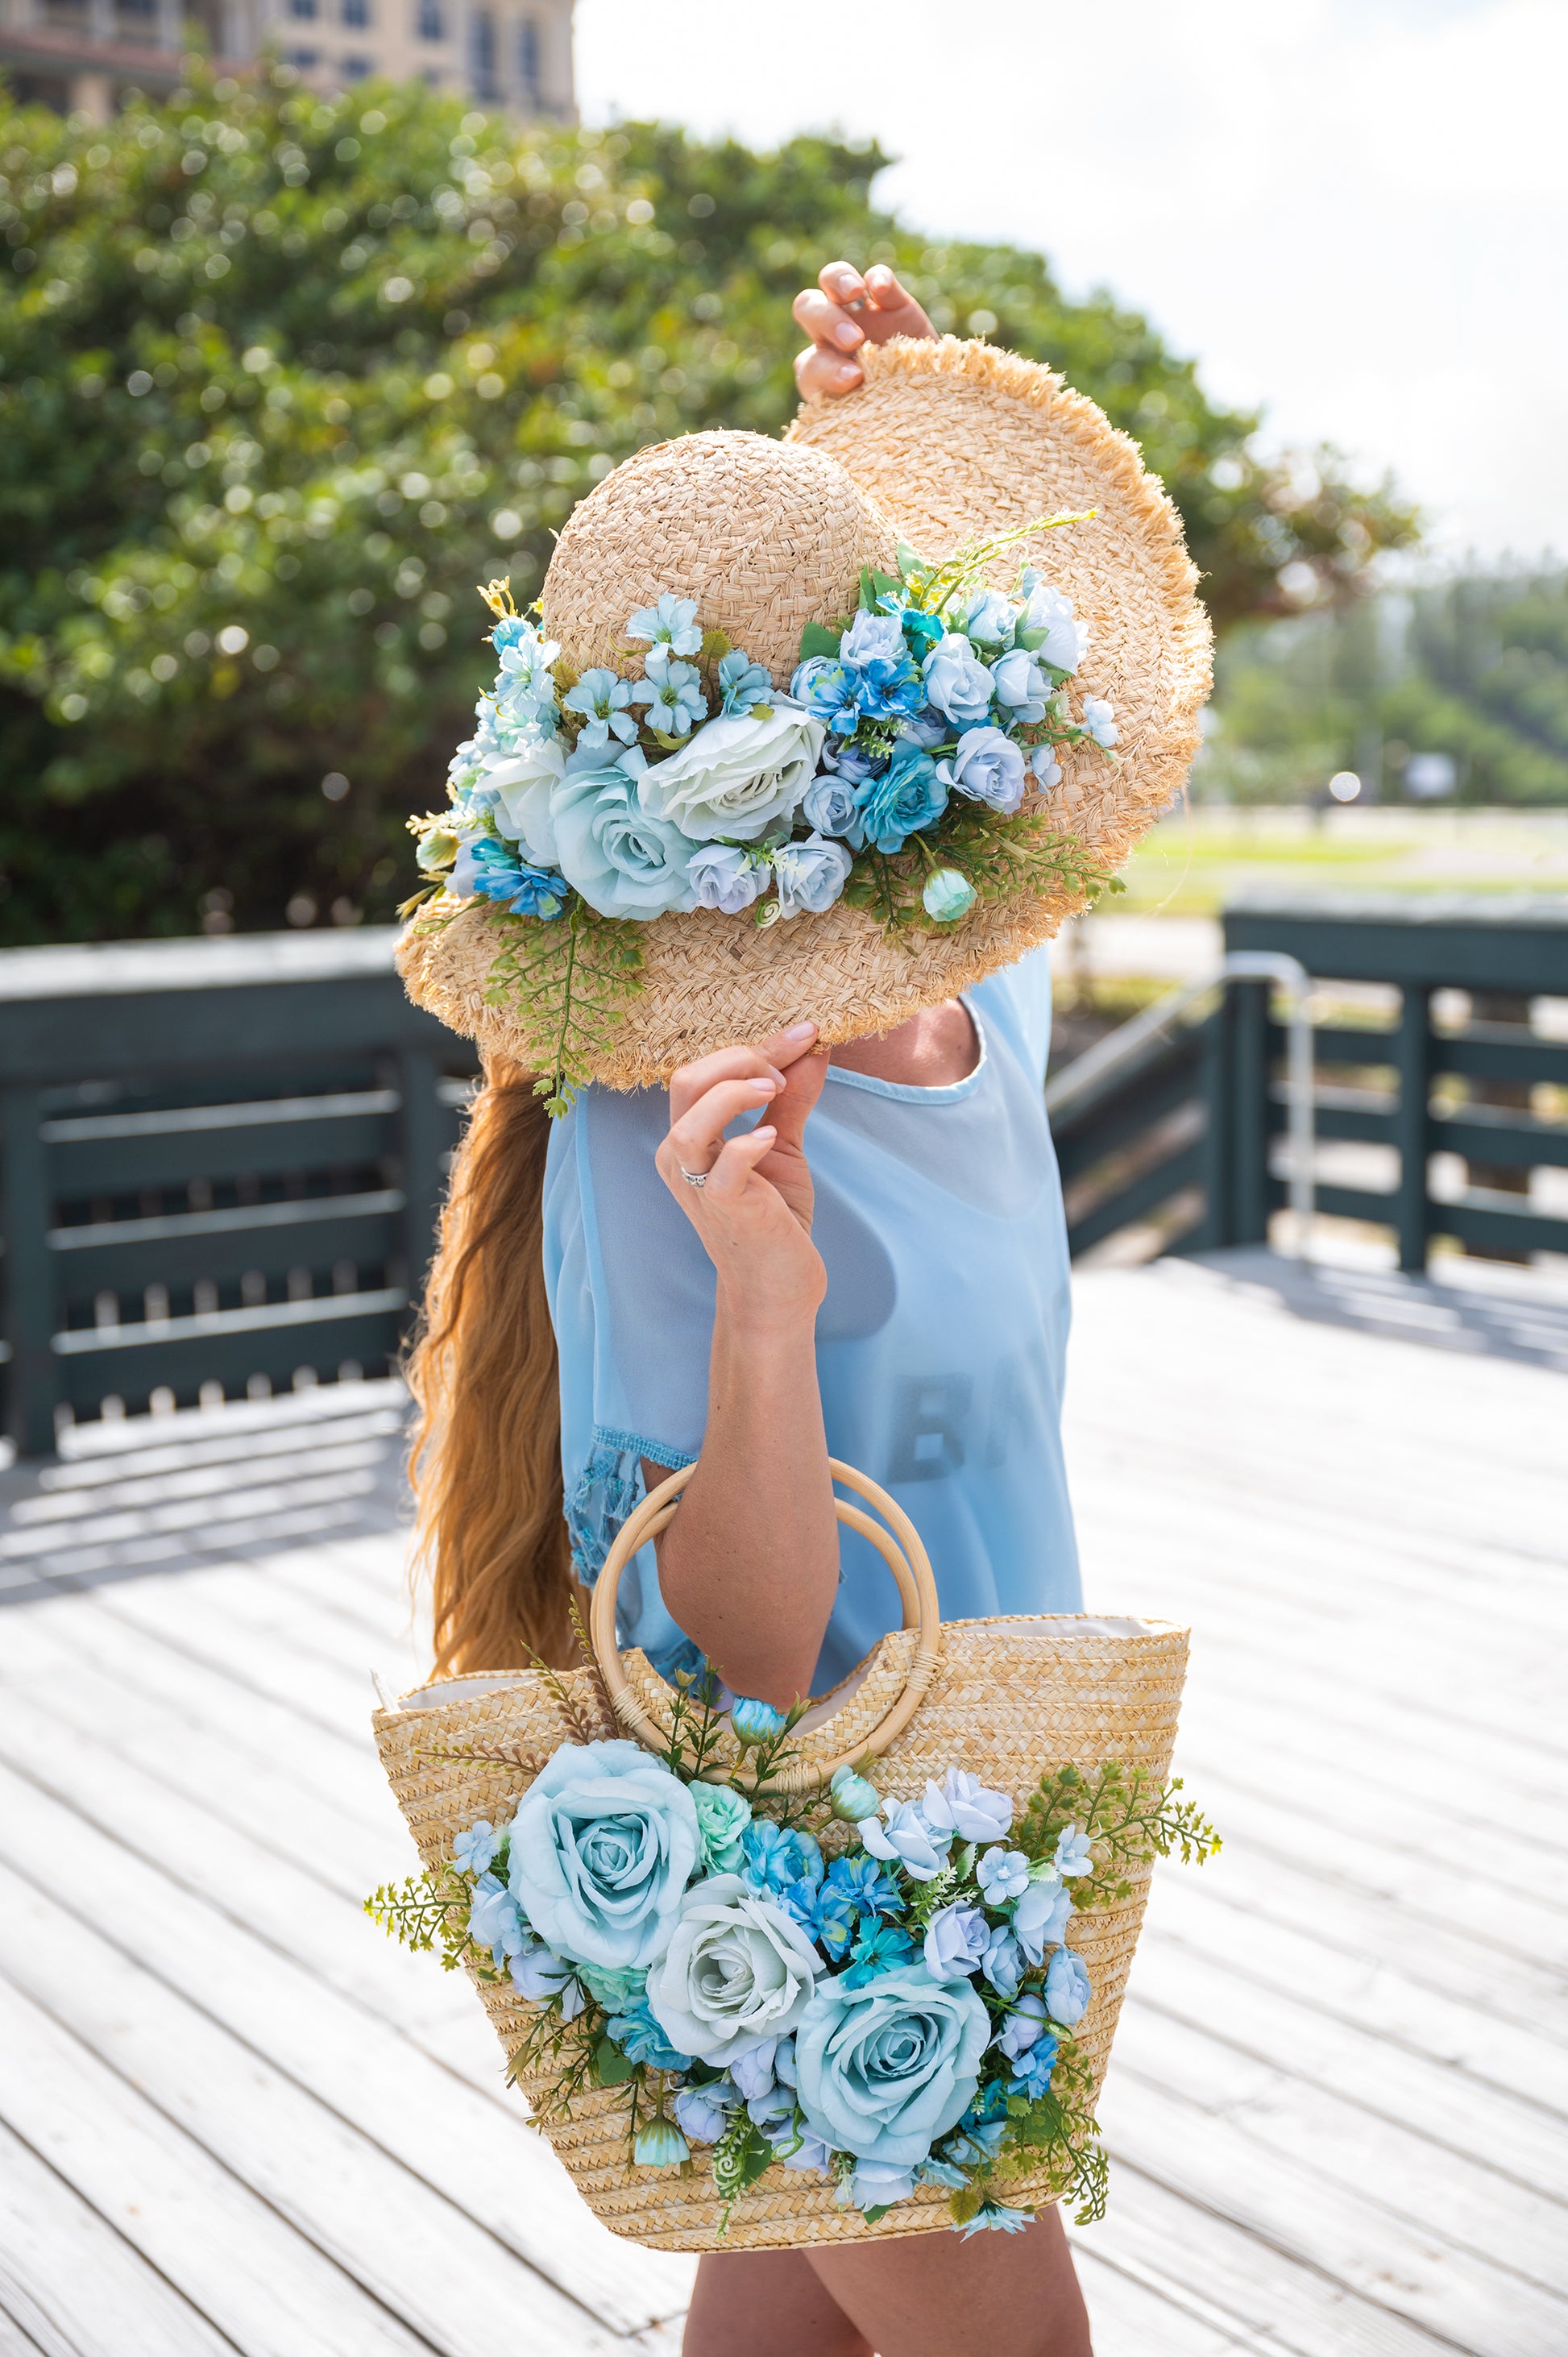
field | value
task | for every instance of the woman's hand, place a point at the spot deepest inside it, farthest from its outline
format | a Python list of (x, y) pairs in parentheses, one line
[(754, 1214), (842, 312)]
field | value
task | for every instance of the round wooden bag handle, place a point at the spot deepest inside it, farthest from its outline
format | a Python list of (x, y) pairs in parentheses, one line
[(899, 1547)]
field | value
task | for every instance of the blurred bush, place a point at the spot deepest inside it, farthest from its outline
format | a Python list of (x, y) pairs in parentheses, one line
[(283, 378)]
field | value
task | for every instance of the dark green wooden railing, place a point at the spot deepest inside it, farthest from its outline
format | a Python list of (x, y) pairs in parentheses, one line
[(220, 1165), (1183, 1140)]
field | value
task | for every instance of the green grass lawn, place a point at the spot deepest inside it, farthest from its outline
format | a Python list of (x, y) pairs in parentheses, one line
[(1193, 862)]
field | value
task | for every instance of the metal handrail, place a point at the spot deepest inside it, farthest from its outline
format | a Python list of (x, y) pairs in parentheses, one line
[(1123, 1046)]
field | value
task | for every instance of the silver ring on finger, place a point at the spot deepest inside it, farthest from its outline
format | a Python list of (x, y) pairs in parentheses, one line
[(693, 1177)]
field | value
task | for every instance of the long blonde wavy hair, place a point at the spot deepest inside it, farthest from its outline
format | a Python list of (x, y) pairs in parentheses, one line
[(486, 1455)]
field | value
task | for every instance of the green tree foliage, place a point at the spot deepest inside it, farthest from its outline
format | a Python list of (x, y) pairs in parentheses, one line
[(282, 379), (1475, 668)]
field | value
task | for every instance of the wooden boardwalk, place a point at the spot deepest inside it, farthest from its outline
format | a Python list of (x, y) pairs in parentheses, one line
[(234, 2118)]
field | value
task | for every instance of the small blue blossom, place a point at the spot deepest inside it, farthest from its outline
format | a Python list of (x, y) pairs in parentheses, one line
[(1025, 2024), (851, 764), (996, 2216), (1074, 1855), (1004, 1965), (921, 631), (776, 1858), (873, 1890), (642, 2040), (1003, 1875), (906, 1839), (829, 1915), (880, 1948), (877, 2185), (1047, 768), (1100, 722), (829, 691), (908, 796), (538, 1974), (991, 618), (941, 2172), (754, 1721), (1067, 1988), (702, 2113), (617, 1990), (672, 692), (672, 623), (496, 871), (828, 806), (495, 1919), (602, 699), (472, 1851), (742, 682), (661, 2144), (511, 631), (977, 2142)]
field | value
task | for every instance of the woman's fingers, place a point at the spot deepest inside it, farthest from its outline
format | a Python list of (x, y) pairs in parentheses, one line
[(770, 1059), (821, 375), (793, 1107), (695, 1138), (842, 312), (827, 322), (731, 1174)]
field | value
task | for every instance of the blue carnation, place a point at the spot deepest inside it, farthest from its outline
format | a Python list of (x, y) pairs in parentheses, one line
[(642, 2040), (776, 1858), (870, 1886), (1032, 2070), (742, 682), (880, 1948), (908, 796), (495, 871), (829, 1916)]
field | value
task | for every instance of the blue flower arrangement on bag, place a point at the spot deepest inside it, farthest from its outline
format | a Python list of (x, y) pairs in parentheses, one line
[(894, 773), (905, 2012)]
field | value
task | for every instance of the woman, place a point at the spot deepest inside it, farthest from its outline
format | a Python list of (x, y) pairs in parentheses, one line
[(859, 1254)]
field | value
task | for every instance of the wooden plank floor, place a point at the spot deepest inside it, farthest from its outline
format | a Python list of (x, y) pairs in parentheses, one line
[(233, 2118)]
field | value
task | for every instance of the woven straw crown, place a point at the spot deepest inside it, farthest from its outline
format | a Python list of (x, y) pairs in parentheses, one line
[(946, 442)]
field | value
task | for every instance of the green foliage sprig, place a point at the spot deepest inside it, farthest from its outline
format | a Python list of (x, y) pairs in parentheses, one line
[(568, 982), (430, 1912), (1130, 1817)]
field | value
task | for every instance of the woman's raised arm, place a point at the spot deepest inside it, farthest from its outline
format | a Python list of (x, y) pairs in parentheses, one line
[(750, 1567)]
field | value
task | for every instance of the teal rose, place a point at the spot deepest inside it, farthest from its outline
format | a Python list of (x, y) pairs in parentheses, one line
[(887, 2068), (723, 1817), (603, 1845)]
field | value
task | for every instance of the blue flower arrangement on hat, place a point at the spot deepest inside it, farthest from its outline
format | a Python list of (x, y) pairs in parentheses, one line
[(901, 772), (881, 1991)]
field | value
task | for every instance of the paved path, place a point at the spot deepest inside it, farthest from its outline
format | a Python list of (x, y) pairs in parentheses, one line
[(233, 2119)]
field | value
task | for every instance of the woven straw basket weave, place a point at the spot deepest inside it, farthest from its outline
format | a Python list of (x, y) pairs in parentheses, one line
[(946, 442), (1006, 1699)]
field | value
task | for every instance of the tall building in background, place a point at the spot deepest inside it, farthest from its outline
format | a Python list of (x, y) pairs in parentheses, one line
[(82, 54)]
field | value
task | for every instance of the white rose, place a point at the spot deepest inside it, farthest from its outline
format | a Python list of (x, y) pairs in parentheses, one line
[(737, 1970), (523, 785), (736, 775)]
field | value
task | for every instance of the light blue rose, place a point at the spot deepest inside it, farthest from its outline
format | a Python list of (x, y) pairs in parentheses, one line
[(957, 682), (828, 806), (988, 768), (874, 638), (673, 692), (957, 1939), (602, 699), (1047, 768), (752, 2069), (947, 896), (1003, 1875), (723, 1817), (908, 796), (623, 862), (925, 728), (672, 623), (1004, 1965), (875, 2185), (991, 618), (1098, 718), (703, 2111), (1025, 2024), (886, 2069), (1049, 625), (495, 1920), (1067, 1988), (726, 879), (603, 1845), (1022, 686), (538, 1972), (809, 875)]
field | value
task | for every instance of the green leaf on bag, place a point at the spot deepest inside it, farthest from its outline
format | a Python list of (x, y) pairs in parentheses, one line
[(816, 638), (611, 2067)]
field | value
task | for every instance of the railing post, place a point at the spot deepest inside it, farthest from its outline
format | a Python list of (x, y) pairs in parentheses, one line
[(420, 1137), (29, 1272), (1249, 1113), (1219, 1133), (1413, 1125)]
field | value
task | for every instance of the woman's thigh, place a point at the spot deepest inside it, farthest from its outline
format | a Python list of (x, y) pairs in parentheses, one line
[(934, 2296), (766, 2304)]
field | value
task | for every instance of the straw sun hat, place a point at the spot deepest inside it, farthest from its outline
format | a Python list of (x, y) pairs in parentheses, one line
[(946, 444)]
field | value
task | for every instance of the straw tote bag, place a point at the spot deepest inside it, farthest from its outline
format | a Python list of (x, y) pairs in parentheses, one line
[(1006, 1699)]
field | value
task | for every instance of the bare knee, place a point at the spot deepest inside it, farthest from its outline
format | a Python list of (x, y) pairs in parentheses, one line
[(766, 2304)]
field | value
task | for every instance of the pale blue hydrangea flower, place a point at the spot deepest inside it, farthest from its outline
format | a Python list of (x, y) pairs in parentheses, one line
[(539, 1973), (1074, 1855), (495, 1919), (1099, 721), (602, 699), (672, 623), (472, 1851), (1003, 1875), (672, 692), (742, 682)]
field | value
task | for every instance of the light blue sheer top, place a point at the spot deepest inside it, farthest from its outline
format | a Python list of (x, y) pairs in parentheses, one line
[(939, 1346)]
